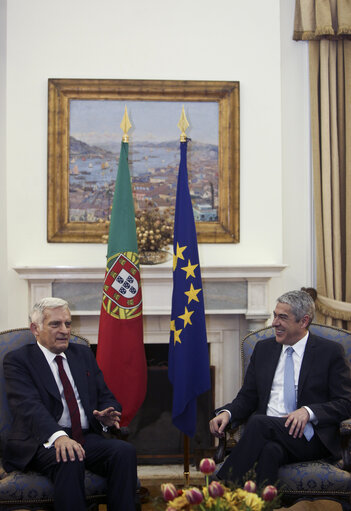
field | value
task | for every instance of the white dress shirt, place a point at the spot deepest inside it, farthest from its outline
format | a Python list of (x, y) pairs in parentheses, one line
[(65, 419)]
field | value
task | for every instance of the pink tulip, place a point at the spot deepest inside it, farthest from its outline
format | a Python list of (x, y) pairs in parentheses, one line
[(169, 491), (269, 492), (194, 496), (250, 486), (215, 489), (207, 466)]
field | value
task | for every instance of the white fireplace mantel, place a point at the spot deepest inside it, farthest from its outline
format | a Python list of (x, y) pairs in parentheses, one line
[(236, 300), (157, 285)]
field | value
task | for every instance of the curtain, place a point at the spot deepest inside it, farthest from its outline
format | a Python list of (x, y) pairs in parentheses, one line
[(322, 19), (326, 24)]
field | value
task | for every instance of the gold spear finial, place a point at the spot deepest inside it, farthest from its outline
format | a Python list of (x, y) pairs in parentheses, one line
[(125, 125), (183, 125)]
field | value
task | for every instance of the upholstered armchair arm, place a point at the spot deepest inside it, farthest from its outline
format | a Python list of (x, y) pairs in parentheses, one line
[(226, 442), (345, 433), (121, 433), (3, 472)]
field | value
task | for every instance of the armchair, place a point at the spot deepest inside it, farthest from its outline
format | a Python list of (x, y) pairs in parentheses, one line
[(31, 490), (311, 479)]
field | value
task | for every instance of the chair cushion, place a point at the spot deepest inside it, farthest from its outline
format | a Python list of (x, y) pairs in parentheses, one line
[(320, 476), (19, 486)]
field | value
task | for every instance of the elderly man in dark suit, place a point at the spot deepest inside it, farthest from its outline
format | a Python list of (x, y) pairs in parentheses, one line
[(277, 432), (60, 406)]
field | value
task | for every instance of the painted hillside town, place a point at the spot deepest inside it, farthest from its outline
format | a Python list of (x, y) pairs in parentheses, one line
[(153, 165)]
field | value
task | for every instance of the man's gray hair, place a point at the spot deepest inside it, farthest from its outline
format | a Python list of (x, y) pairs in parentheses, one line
[(301, 304), (37, 314)]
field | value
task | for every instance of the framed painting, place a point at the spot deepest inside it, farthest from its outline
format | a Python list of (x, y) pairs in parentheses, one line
[(84, 138)]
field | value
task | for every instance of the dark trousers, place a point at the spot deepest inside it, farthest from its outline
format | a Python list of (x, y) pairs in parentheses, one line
[(111, 458), (266, 445)]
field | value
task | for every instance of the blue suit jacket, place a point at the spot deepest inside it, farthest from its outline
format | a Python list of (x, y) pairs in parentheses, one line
[(35, 401), (324, 386)]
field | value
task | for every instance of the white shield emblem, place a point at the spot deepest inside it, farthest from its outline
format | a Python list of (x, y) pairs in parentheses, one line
[(125, 284)]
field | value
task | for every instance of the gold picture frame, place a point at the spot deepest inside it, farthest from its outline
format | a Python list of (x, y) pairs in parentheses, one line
[(62, 92)]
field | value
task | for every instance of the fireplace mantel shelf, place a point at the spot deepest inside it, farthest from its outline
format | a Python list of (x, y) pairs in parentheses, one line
[(161, 271), (218, 281)]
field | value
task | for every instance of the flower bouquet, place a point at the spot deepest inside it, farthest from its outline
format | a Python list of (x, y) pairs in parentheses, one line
[(215, 496)]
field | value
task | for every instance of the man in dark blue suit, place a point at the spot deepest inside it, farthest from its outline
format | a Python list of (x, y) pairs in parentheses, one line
[(275, 435), (46, 435)]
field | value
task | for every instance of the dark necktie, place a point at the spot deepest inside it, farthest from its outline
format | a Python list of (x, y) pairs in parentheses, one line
[(77, 433), (289, 390)]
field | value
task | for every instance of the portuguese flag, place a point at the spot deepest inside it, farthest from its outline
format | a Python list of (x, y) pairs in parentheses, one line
[(120, 350)]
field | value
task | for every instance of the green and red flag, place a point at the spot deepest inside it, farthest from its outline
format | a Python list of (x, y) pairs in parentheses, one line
[(120, 350)]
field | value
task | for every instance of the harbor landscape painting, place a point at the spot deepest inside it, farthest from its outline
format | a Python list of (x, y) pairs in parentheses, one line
[(84, 141), (94, 146)]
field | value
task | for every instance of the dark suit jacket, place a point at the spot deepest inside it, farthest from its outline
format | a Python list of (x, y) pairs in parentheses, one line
[(35, 401), (324, 386)]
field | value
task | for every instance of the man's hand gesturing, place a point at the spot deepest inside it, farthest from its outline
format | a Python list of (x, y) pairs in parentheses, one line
[(108, 417)]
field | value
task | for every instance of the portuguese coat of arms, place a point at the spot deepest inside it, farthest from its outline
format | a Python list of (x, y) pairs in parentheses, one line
[(122, 291)]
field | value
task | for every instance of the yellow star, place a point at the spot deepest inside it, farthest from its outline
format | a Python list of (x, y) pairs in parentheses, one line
[(176, 336), (186, 317), (178, 255), (192, 293), (190, 269), (172, 327)]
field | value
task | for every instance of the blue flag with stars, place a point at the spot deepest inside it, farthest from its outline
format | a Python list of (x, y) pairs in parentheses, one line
[(188, 360)]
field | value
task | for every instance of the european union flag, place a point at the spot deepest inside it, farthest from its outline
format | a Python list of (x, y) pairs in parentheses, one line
[(188, 361)]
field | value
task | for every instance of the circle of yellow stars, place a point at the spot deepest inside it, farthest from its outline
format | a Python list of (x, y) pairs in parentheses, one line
[(192, 293)]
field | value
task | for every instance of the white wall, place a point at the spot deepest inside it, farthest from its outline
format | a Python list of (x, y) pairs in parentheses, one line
[(296, 157), (198, 40), (3, 194)]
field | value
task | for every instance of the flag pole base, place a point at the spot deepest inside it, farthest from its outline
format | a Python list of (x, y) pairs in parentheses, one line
[(187, 478), (186, 460)]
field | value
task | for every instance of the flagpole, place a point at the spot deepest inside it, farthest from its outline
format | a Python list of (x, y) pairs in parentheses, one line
[(186, 460), (183, 125), (125, 125)]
